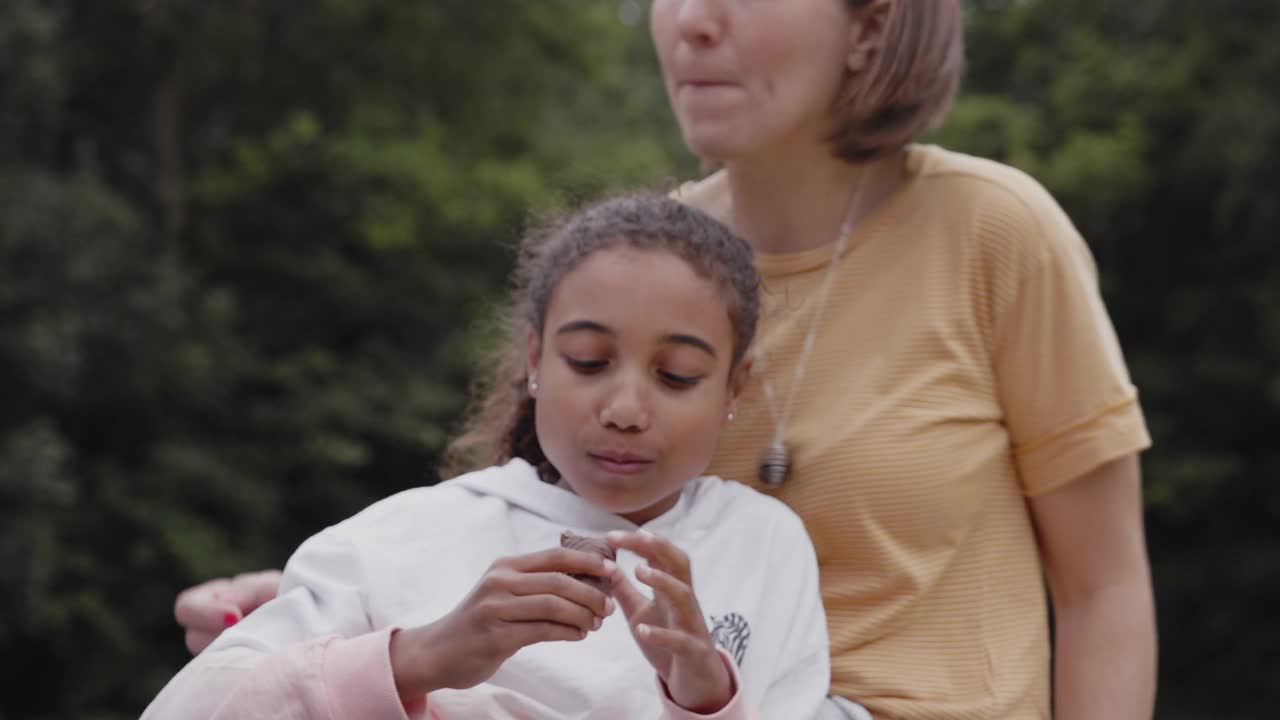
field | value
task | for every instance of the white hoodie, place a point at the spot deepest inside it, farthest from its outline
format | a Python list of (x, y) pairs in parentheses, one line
[(320, 649)]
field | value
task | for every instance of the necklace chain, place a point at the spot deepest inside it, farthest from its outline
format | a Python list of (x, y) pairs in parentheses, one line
[(780, 419)]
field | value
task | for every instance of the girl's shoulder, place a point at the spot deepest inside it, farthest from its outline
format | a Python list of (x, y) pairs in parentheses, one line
[(727, 503), (443, 504), (407, 509)]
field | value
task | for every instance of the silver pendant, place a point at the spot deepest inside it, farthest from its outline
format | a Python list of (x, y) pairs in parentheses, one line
[(775, 463)]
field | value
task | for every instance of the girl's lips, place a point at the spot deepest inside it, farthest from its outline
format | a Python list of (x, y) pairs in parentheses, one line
[(620, 464)]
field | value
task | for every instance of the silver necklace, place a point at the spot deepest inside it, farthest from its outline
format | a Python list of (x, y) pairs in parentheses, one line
[(775, 462)]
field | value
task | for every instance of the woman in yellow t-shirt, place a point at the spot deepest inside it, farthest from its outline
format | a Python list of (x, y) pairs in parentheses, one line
[(937, 388)]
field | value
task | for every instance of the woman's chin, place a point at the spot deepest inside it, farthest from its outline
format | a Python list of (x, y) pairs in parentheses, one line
[(712, 144)]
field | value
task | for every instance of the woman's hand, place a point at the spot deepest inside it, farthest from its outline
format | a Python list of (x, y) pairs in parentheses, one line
[(207, 609), (519, 601), (670, 628)]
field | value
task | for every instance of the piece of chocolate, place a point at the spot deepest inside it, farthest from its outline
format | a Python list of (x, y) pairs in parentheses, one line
[(590, 545)]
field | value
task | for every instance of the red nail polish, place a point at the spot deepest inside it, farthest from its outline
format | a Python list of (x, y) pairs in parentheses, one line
[(230, 619)]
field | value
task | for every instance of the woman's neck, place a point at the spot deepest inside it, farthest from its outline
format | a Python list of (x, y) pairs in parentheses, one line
[(797, 201)]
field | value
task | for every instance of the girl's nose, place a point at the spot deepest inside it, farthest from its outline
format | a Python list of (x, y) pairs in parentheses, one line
[(626, 408)]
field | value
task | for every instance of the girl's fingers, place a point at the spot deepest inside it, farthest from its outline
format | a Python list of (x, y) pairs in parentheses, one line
[(547, 608), (523, 634), (672, 641), (562, 560), (555, 583), (631, 600), (677, 596), (660, 552)]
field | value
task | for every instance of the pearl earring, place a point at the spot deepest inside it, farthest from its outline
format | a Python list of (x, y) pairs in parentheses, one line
[(730, 416), (533, 386)]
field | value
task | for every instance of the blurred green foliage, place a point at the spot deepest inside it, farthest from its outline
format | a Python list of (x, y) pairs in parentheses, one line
[(248, 251)]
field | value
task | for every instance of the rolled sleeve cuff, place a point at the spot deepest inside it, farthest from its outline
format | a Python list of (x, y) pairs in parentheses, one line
[(360, 682), (735, 709), (1053, 462)]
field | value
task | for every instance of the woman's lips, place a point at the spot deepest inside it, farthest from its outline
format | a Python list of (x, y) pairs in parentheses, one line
[(708, 92), (706, 85)]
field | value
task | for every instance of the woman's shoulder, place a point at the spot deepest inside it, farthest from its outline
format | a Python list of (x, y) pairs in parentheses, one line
[(965, 178), (946, 178), (1009, 211), (709, 194)]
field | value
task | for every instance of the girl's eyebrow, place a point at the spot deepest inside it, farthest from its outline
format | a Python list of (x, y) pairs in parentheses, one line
[(671, 338), (692, 340), (589, 325)]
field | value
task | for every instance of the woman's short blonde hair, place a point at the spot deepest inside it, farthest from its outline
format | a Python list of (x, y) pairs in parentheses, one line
[(910, 82)]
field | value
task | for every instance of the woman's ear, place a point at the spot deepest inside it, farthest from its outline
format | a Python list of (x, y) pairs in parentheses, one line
[(866, 33)]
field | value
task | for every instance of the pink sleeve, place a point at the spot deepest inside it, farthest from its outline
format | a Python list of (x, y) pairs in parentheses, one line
[(326, 678), (737, 709)]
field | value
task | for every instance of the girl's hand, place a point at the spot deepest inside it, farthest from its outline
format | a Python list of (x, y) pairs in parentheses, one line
[(670, 628), (519, 601)]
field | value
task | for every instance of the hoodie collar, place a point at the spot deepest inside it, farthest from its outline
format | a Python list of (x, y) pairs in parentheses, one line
[(518, 483)]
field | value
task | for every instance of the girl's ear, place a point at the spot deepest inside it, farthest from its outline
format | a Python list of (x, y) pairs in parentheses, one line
[(533, 353), (737, 383)]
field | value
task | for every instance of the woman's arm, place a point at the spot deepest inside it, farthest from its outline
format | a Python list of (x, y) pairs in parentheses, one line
[(324, 678), (310, 652), (1094, 550)]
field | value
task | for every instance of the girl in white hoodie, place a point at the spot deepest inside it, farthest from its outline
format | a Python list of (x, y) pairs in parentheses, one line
[(628, 335)]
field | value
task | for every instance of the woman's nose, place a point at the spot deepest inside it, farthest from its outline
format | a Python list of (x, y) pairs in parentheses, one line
[(700, 22)]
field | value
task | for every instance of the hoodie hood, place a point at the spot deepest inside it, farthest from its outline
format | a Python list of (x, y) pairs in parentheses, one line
[(517, 483)]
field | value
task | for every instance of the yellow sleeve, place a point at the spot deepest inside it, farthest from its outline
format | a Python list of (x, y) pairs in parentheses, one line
[(1063, 386)]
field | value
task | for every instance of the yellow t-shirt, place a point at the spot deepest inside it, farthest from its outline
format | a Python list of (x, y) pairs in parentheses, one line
[(964, 361)]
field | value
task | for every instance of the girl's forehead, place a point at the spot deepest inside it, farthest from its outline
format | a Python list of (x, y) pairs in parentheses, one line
[(628, 287), (633, 271)]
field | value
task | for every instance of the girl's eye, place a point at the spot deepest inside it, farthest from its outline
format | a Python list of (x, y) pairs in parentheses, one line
[(586, 366), (678, 381)]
